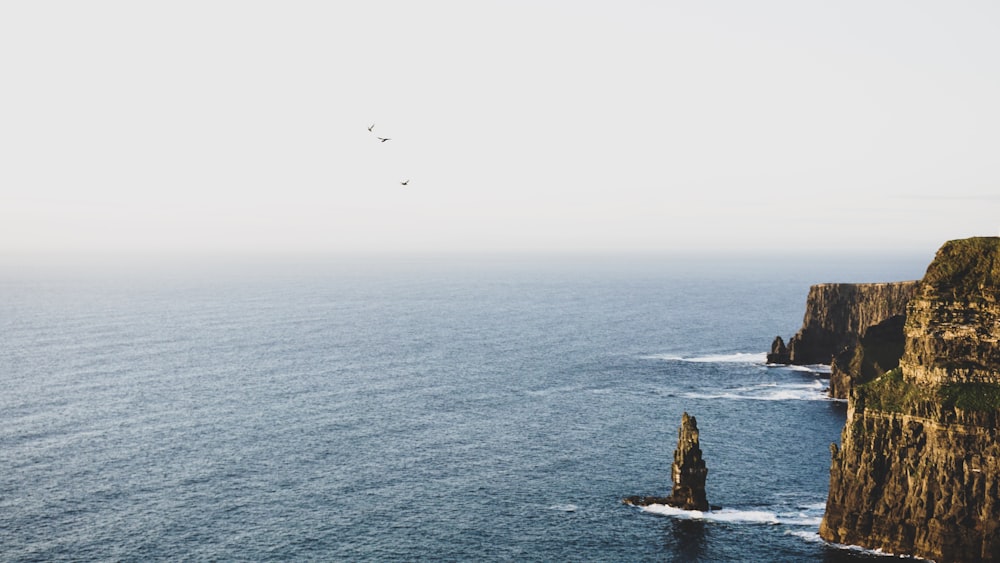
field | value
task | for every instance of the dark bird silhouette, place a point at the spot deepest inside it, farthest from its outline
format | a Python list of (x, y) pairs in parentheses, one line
[(372, 127), (383, 139), (404, 182)]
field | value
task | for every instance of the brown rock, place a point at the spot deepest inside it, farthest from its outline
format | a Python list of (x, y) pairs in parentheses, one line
[(779, 353), (953, 324), (688, 473)]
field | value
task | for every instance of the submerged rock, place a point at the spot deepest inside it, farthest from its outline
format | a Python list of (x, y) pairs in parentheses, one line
[(688, 473)]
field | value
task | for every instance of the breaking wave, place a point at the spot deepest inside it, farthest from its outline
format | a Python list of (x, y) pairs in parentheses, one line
[(723, 515), (806, 515), (808, 535), (876, 552), (810, 368), (735, 358), (807, 391)]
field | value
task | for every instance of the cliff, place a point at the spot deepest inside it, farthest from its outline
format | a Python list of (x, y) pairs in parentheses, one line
[(909, 484), (954, 320), (837, 315), (918, 469), (857, 328)]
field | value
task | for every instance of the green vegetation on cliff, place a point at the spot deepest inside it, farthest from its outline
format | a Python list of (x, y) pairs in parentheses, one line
[(976, 397), (966, 266), (892, 393)]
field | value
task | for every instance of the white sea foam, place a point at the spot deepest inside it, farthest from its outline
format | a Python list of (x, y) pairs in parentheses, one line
[(810, 368), (810, 391), (809, 536), (735, 358), (564, 507), (814, 537), (723, 515), (738, 358), (800, 519), (799, 515), (877, 552)]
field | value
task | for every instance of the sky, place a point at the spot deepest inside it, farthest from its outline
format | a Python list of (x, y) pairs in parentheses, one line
[(709, 127)]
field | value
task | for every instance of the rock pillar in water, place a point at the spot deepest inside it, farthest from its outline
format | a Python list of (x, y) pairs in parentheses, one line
[(779, 353), (688, 470), (688, 473)]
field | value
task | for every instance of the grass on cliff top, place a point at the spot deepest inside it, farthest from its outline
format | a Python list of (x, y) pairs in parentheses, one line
[(967, 266), (891, 393)]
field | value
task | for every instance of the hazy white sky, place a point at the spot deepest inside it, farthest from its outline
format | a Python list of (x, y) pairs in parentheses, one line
[(626, 126)]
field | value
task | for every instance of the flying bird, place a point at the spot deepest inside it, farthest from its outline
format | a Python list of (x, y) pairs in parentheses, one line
[(372, 127), (383, 139), (404, 182)]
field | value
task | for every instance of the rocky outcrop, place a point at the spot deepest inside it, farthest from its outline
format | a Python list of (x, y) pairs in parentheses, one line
[(837, 315), (779, 353), (918, 469), (688, 473)]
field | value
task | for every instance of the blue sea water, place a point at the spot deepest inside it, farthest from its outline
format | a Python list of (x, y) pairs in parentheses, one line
[(435, 410)]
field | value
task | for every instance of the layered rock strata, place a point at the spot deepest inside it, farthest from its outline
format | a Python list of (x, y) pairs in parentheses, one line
[(953, 324), (918, 469), (688, 473)]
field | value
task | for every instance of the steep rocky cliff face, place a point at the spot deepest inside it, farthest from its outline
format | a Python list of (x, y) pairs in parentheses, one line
[(913, 485), (918, 469), (837, 315), (954, 320)]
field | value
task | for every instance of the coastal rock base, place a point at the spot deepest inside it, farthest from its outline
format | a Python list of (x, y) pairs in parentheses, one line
[(668, 501), (909, 484)]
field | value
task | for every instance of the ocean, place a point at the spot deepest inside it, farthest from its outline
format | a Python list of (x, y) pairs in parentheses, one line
[(493, 409)]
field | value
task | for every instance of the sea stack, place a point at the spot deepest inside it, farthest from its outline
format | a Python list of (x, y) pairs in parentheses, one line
[(918, 468), (779, 352), (688, 473), (688, 470)]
